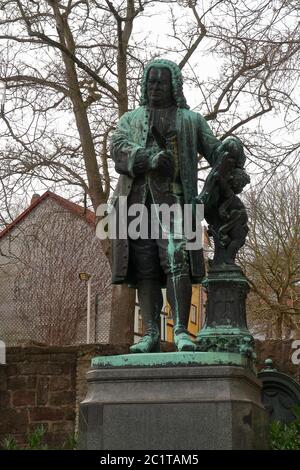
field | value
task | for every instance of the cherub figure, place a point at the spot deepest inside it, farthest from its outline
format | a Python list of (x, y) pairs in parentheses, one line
[(223, 209)]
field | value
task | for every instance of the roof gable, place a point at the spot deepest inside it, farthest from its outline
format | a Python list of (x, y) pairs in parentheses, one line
[(85, 214)]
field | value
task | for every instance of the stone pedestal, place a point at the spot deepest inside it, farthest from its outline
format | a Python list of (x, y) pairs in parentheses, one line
[(172, 401)]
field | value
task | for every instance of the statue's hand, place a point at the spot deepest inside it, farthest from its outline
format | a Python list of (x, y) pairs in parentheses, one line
[(141, 162), (164, 163), (201, 198), (233, 147)]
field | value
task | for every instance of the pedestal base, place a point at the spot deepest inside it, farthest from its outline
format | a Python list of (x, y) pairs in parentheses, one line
[(166, 405), (225, 329)]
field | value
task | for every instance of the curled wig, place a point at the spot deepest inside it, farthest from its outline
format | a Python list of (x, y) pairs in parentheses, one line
[(177, 81)]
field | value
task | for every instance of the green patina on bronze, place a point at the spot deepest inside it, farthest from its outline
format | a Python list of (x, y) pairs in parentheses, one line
[(222, 339), (173, 359), (269, 366), (164, 128), (225, 276), (225, 329), (177, 81)]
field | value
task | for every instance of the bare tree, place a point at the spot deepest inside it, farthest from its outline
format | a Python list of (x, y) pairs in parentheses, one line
[(253, 92), (271, 257), (60, 61)]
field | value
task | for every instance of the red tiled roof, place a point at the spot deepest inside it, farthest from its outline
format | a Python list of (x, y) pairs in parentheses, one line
[(85, 214)]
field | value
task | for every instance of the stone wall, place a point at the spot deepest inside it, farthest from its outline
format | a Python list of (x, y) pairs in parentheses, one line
[(42, 386), (45, 385), (38, 386)]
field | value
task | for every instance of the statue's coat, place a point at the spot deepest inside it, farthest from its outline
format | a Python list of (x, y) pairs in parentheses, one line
[(194, 137)]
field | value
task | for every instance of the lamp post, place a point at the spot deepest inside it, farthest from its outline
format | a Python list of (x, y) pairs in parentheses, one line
[(2, 97), (87, 278), (2, 352)]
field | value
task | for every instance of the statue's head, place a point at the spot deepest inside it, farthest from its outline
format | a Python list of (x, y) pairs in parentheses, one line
[(159, 87), (234, 147), (162, 84), (239, 179)]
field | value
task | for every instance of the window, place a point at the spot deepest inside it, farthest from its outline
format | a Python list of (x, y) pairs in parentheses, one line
[(193, 314), (168, 312)]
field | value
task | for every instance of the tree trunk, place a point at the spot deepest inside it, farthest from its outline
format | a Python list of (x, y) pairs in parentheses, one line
[(121, 329), (279, 326), (123, 297), (122, 315), (95, 188)]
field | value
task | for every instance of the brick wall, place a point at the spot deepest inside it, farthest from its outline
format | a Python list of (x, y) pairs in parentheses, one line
[(38, 386), (41, 385), (45, 385)]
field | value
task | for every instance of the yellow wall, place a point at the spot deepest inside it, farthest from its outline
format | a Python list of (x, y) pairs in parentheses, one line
[(197, 311)]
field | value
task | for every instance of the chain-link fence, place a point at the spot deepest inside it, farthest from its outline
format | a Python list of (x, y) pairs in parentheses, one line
[(30, 317)]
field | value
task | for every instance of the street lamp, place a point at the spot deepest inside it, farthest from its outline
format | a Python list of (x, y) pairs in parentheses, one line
[(2, 96), (2, 352), (87, 278)]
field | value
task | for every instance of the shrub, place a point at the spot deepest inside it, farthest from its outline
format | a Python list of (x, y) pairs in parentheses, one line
[(35, 441), (286, 436)]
